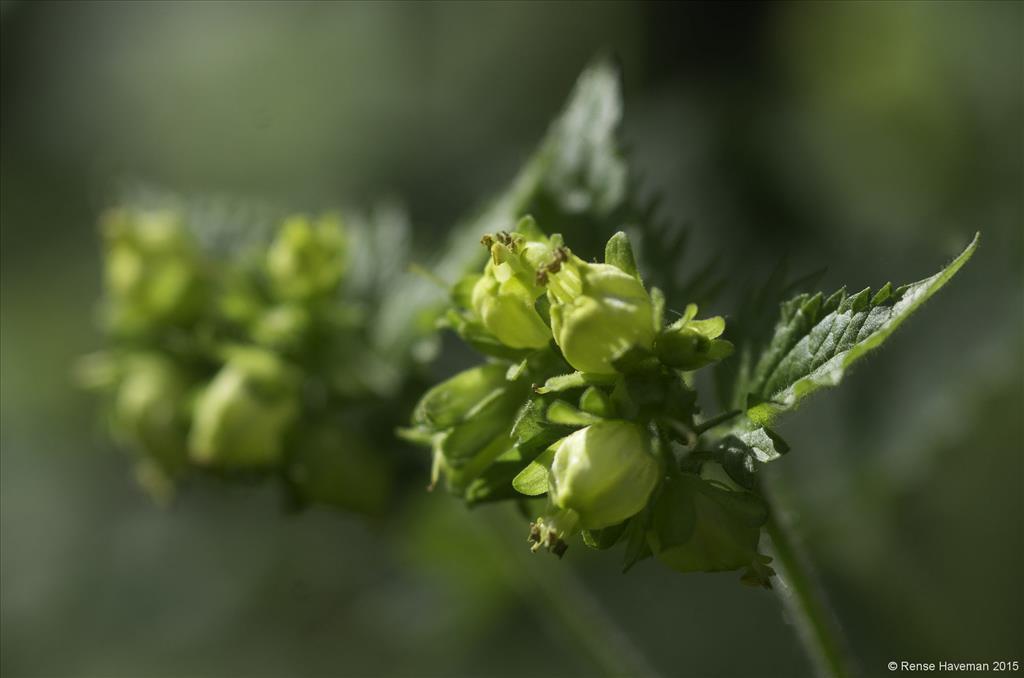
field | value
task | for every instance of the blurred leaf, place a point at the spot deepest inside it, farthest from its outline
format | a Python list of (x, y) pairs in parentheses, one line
[(606, 537), (700, 527), (577, 171), (637, 547), (585, 171), (739, 455)]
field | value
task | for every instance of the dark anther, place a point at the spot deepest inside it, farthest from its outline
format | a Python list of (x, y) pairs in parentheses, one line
[(534, 532), (559, 548), (542, 277), (487, 241)]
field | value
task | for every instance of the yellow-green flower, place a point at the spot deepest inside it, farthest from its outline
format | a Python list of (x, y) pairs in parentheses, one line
[(604, 473), (504, 297), (598, 312)]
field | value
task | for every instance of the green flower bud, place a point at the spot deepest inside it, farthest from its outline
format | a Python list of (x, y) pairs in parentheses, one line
[(504, 298), (689, 344), (242, 416), (449, 402), (307, 259), (599, 476), (598, 312), (467, 420), (151, 268), (604, 473), (147, 411)]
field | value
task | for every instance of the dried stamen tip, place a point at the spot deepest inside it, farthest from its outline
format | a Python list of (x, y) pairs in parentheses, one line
[(544, 536), (559, 256), (487, 241)]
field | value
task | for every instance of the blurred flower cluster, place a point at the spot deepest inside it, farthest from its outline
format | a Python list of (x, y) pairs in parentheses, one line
[(239, 364)]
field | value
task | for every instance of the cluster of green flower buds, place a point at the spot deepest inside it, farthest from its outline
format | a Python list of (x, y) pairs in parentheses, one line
[(153, 272), (585, 404), (307, 259), (228, 365)]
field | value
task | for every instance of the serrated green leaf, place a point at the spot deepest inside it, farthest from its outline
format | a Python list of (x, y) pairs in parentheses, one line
[(816, 339), (750, 328)]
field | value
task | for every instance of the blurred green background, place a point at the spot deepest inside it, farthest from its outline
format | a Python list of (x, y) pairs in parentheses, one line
[(876, 137)]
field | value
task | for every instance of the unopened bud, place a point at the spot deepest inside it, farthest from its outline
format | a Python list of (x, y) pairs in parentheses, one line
[(604, 473), (598, 312), (689, 344)]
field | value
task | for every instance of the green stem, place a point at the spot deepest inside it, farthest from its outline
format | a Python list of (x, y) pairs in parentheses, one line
[(804, 599)]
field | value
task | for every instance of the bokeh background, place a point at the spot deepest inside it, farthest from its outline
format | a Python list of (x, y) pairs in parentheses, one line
[(874, 137)]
